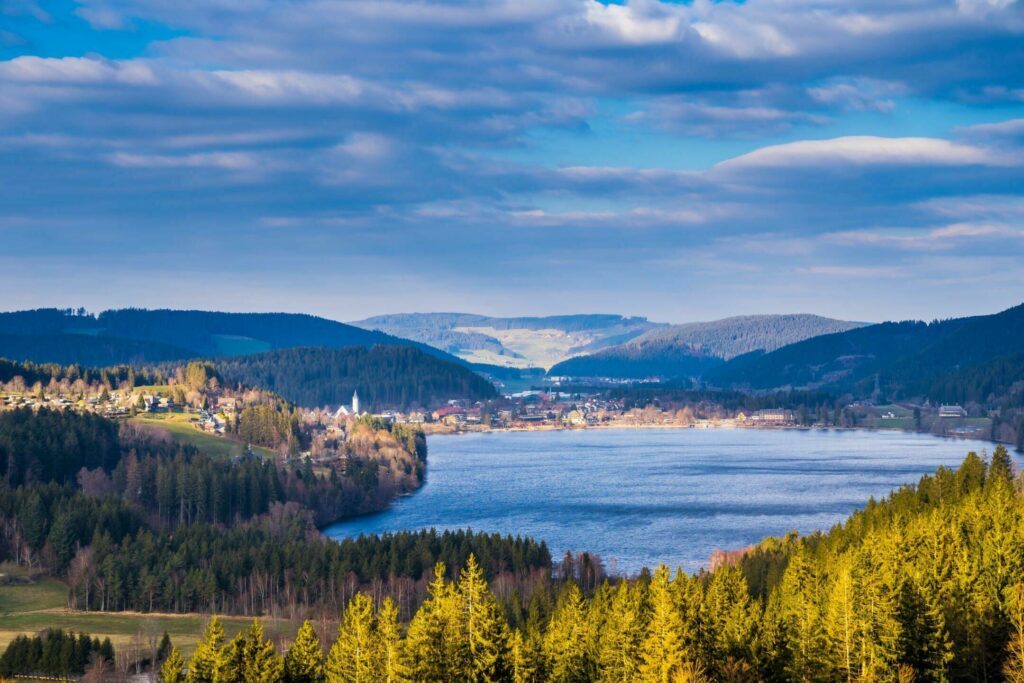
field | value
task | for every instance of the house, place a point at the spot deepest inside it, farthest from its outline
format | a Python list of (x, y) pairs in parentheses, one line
[(772, 416), (575, 418), (441, 414), (954, 410), (227, 404)]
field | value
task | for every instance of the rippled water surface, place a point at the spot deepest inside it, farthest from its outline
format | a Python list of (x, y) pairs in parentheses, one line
[(637, 497)]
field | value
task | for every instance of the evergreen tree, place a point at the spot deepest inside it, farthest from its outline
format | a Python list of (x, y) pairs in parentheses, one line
[(731, 623), (304, 662), (526, 652), (801, 610), (663, 651), (209, 663), (252, 658), (433, 651), (352, 658), (1013, 665), (389, 641), (486, 632), (565, 643), (172, 670), (1001, 466), (619, 656)]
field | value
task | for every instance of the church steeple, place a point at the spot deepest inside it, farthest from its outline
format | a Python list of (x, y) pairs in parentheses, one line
[(355, 402)]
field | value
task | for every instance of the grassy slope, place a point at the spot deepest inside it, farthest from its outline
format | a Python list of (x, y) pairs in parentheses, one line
[(30, 608), (177, 424)]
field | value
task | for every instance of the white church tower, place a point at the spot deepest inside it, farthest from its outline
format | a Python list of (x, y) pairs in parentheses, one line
[(355, 403)]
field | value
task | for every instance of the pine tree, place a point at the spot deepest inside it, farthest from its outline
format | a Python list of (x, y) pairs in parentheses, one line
[(1013, 665), (731, 623), (565, 642), (663, 651), (304, 662), (389, 643), (840, 623), (432, 652), (351, 659), (209, 661), (1001, 466), (172, 670), (485, 630), (619, 656), (876, 610), (252, 658), (922, 644), (801, 610), (526, 652)]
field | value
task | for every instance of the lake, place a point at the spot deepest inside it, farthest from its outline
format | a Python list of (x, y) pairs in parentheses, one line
[(639, 497)]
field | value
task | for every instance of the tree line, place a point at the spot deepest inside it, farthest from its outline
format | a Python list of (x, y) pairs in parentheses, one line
[(52, 653)]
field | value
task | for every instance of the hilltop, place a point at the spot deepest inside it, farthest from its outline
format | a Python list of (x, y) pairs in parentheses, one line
[(139, 336), (891, 357), (692, 349)]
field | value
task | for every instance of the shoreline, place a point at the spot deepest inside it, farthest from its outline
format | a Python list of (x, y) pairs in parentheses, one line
[(712, 425)]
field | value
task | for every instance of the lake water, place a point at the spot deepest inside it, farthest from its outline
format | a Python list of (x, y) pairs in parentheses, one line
[(639, 497)]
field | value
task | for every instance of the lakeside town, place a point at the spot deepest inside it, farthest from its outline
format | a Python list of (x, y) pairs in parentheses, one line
[(214, 413)]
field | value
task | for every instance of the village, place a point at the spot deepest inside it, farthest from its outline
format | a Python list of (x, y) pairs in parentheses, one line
[(216, 412)]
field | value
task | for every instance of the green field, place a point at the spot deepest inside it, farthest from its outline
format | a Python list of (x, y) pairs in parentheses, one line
[(45, 594), (181, 429), (158, 389), (30, 608)]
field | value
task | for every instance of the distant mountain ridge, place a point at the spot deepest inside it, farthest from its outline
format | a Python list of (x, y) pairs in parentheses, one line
[(691, 349), (512, 341), (893, 356), (139, 335)]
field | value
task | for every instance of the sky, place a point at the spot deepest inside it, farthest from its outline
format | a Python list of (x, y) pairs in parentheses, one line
[(862, 159)]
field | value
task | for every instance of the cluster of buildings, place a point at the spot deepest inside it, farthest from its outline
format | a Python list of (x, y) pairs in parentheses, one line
[(114, 404), (770, 417)]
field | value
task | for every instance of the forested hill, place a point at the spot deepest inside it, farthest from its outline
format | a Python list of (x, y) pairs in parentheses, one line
[(397, 377), (693, 348), (137, 335), (900, 356), (88, 350)]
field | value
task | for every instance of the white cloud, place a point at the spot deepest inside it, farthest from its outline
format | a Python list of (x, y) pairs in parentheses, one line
[(637, 23), (233, 161), (75, 70), (866, 151)]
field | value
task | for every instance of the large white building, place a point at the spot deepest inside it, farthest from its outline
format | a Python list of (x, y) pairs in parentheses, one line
[(343, 411)]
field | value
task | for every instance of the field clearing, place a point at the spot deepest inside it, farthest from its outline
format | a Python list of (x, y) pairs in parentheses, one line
[(181, 429), (45, 594), (30, 608), (541, 348), (160, 389)]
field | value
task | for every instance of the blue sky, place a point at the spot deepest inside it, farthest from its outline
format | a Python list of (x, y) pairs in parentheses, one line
[(860, 159)]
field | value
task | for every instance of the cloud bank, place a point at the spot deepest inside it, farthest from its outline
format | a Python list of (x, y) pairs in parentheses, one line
[(677, 160)]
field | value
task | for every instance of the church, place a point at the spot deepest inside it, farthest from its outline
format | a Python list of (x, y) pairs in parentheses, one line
[(354, 412)]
